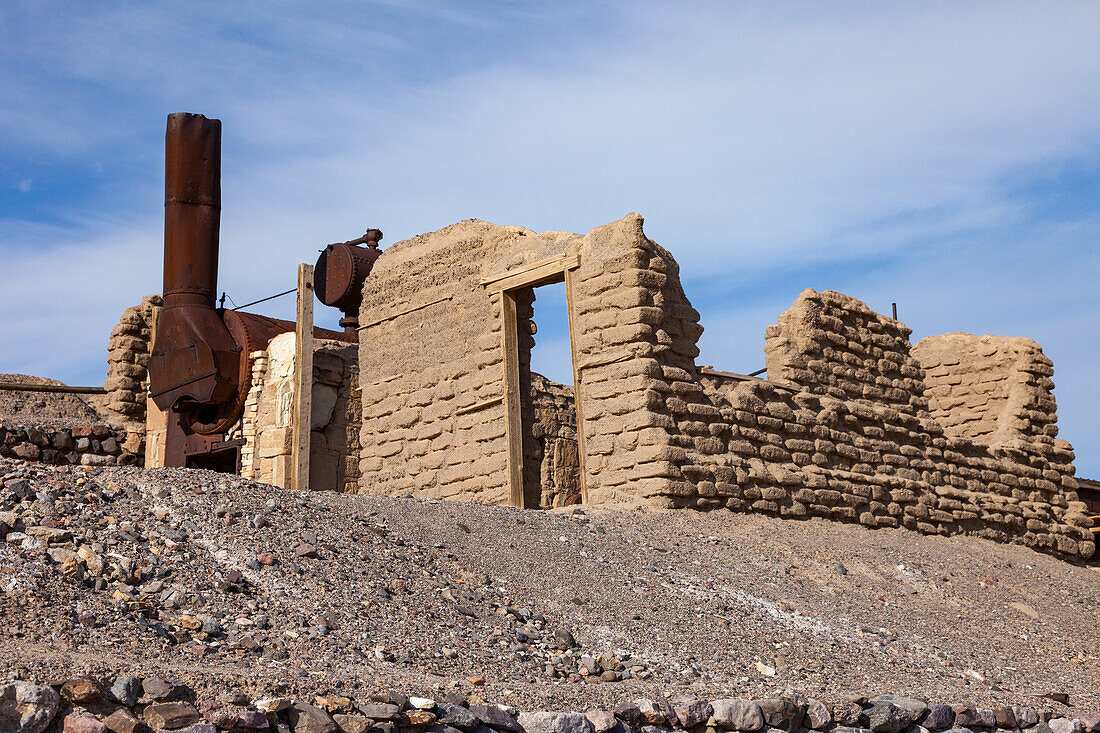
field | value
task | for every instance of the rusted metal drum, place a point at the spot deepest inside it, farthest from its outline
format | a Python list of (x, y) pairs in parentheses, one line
[(340, 272)]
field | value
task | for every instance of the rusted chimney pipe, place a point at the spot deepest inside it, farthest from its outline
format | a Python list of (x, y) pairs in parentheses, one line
[(195, 360), (192, 209)]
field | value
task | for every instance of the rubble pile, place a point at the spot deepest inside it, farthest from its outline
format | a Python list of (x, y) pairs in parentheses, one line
[(127, 704)]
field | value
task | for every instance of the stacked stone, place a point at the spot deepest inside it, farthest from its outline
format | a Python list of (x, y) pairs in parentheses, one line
[(250, 416), (85, 445), (129, 704), (127, 381), (267, 421)]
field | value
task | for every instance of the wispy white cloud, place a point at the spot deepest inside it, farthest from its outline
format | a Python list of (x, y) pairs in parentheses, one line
[(834, 139)]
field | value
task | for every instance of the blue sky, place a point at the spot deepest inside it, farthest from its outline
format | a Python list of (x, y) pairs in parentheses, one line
[(941, 155)]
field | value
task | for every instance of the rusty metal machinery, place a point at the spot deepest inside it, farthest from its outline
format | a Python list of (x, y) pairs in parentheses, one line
[(199, 370), (341, 270)]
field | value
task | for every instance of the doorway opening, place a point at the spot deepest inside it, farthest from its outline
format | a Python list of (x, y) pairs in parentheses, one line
[(548, 414)]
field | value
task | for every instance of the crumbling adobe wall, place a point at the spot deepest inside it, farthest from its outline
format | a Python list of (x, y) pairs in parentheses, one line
[(993, 390), (842, 430), (267, 422), (431, 365)]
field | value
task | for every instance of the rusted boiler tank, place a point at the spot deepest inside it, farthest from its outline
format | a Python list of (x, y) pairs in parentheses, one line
[(199, 369)]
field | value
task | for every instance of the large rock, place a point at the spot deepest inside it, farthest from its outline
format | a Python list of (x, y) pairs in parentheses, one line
[(380, 712), (939, 717), (602, 721), (691, 711), (172, 715), (911, 705), (555, 723), (494, 717), (780, 713), (126, 690), (352, 723), (885, 717), (27, 708), (968, 717), (743, 715), (818, 716), (455, 716), (1065, 725), (306, 718), (83, 724), (1025, 717), (82, 691), (123, 721)]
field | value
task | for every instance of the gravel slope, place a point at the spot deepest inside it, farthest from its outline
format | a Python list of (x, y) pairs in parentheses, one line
[(420, 596)]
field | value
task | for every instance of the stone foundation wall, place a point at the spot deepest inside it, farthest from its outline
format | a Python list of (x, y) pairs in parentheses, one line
[(843, 429), (268, 417), (84, 445)]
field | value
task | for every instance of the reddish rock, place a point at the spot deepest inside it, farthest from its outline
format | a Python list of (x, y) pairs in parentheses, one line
[(83, 724), (82, 691), (171, 715), (123, 721)]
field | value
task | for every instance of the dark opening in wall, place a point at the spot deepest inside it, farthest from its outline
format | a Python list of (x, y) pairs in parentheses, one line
[(551, 463)]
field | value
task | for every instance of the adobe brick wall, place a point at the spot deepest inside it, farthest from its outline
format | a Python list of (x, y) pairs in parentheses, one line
[(993, 390), (844, 429)]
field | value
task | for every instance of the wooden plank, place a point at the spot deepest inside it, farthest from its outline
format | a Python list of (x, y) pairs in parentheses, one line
[(570, 312), (22, 387), (303, 381), (605, 361), (542, 272), (477, 406), (156, 419), (744, 378), (405, 312), (512, 407)]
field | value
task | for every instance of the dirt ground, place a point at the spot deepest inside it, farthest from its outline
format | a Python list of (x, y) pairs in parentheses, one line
[(419, 596)]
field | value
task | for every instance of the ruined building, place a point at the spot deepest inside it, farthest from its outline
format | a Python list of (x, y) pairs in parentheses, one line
[(429, 389)]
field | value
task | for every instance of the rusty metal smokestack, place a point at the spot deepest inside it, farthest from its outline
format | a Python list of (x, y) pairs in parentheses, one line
[(192, 209), (195, 359)]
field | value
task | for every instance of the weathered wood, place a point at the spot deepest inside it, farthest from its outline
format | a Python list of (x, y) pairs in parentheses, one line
[(303, 381), (744, 378), (571, 315), (479, 406), (405, 312), (21, 387), (593, 363), (543, 272), (512, 405), (156, 419)]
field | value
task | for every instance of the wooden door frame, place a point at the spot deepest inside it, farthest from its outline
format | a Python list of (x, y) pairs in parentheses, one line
[(544, 272)]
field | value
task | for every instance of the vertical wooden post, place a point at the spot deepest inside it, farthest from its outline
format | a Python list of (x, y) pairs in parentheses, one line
[(303, 381), (512, 406), (571, 314), (156, 419)]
